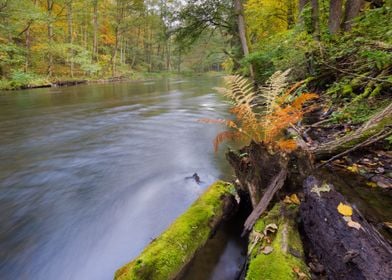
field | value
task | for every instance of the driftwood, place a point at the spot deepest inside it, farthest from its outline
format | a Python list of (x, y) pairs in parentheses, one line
[(275, 185), (378, 127), (345, 252)]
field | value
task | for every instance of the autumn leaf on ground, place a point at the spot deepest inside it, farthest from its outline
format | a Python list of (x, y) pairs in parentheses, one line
[(371, 184), (344, 209), (351, 223), (353, 168), (292, 199), (267, 250), (300, 274)]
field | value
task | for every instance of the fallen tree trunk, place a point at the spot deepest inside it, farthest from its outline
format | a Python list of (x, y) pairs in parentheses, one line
[(379, 126), (348, 247), (255, 167), (275, 246), (167, 256)]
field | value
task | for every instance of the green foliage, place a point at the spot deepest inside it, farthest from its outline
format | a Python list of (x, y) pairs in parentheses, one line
[(288, 49)]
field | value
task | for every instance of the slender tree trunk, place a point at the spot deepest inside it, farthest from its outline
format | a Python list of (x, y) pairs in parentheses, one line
[(95, 30), (242, 31), (335, 16), (70, 36), (290, 13), (28, 49), (50, 4), (114, 53), (315, 19), (301, 7), (352, 10)]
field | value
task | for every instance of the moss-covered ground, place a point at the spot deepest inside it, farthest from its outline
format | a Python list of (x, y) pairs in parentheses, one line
[(165, 257), (280, 263)]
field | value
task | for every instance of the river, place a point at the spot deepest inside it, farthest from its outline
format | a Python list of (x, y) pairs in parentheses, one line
[(90, 174)]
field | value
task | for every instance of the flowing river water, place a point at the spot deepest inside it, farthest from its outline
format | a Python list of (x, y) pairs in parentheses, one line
[(90, 174)]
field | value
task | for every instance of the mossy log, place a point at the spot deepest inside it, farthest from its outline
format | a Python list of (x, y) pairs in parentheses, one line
[(379, 126), (286, 260), (167, 256), (347, 246)]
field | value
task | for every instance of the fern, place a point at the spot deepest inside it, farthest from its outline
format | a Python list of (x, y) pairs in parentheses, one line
[(279, 110), (274, 86)]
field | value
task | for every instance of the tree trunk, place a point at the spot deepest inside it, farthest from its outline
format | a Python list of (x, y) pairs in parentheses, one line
[(50, 4), (242, 31), (379, 125), (345, 252), (315, 19), (290, 14), (335, 16), (301, 7), (352, 10), (70, 36), (95, 30)]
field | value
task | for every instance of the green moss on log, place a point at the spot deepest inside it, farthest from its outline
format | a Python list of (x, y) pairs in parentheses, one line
[(287, 254), (166, 256)]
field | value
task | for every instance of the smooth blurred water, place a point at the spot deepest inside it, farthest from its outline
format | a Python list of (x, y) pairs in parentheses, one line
[(90, 174)]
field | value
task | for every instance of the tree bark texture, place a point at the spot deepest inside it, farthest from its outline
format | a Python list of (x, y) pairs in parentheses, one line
[(379, 125), (242, 30), (345, 252), (352, 9), (335, 16)]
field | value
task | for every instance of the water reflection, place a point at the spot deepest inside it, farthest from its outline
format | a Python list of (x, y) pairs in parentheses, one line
[(89, 174)]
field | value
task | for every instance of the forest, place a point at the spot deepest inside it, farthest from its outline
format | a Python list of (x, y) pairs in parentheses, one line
[(300, 110), (49, 41)]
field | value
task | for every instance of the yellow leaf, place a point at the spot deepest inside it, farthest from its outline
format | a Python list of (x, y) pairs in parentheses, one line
[(353, 168), (294, 198), (345, 210), (287, 200), (371, 184)]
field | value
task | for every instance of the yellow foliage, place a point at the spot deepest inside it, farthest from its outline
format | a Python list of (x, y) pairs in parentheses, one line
[(344, 209)]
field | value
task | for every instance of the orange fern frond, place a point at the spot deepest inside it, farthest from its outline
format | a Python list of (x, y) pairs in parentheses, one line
[(284, 97), (287, 146), (300, 100), (228, 123), (226, 135)]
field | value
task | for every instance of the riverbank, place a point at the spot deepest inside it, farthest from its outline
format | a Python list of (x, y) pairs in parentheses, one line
[(31, 82)]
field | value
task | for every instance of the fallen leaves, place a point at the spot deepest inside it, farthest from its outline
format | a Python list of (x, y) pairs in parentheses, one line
[(347, 212), (292, 199), (267, 250), (344, 209), (300, 274)]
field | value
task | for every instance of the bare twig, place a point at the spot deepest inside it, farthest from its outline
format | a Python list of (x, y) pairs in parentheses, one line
[(356, 75), (275, 185)]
